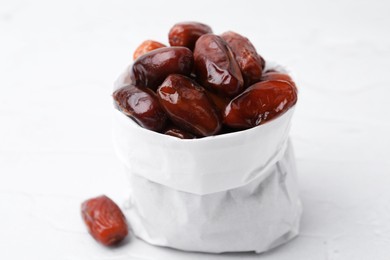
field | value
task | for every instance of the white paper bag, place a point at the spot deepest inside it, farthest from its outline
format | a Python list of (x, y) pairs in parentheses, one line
[(226, 193)]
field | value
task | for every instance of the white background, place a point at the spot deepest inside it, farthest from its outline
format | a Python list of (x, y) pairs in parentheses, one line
[(58, 61)]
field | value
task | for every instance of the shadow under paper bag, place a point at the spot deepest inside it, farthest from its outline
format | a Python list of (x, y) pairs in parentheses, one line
[(229, 193)]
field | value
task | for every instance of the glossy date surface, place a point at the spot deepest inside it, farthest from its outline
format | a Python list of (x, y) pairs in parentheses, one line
[(216, 66), (250, 62), (187, 33), (104, 220), (142, 105), (188, 106), (260, 103), (150, 69), (146, 47)]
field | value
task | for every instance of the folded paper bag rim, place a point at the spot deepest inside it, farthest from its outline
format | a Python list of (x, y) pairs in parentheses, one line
[(205, 165)]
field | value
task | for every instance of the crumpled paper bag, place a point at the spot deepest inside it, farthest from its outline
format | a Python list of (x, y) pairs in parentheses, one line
[(228, 193)]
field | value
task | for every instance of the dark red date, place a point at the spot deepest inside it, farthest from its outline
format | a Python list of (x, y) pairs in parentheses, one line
[(250, 62), (105, 220), (142, 105), (216, 66), (152, 68), (188, 106), (260, 103), (187, 33), (146, 47)]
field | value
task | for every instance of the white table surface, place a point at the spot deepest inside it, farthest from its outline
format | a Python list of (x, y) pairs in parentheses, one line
[(58, 61)]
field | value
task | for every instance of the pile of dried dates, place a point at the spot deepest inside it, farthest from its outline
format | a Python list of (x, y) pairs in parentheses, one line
[(203, 84)]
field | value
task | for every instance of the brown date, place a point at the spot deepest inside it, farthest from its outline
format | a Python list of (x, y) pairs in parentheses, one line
[(105, 220), (260, 103), (179, 133), (250, 62), (146, 47), (188, 106), (216, 66), (274, 75), (187, 33), (141, 104), (152, 68)]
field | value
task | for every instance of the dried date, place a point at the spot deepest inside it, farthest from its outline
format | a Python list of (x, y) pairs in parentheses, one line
[(250, 62), (260, 103), (152, 68), (187, 33), (105, 220), (146, 47), (142, 105), (216, 66), (188, 106)]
